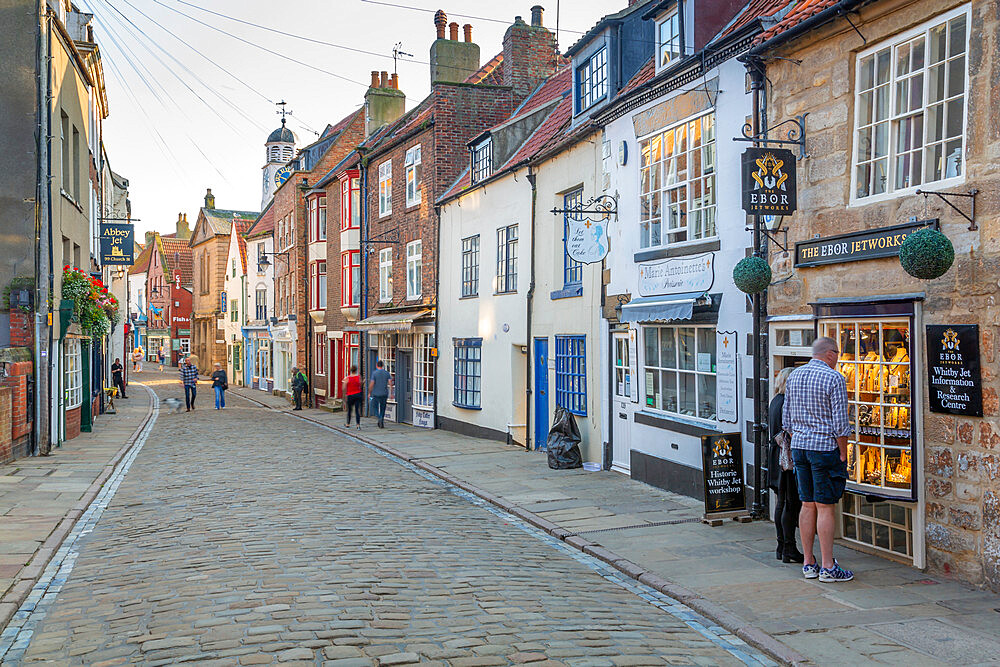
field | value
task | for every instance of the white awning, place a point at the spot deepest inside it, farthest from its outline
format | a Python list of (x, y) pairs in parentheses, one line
[(393, 321), (661, 308)]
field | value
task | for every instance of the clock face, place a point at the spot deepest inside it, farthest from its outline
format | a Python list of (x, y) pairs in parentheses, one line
[(282, 175)]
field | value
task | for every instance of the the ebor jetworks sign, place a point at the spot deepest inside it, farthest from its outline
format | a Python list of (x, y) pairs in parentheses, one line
[(866, 244)]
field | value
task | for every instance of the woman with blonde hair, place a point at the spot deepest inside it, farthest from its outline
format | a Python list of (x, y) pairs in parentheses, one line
[(781, 477)]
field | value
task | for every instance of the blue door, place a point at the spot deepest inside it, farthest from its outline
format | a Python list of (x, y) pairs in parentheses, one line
[(541, 392)]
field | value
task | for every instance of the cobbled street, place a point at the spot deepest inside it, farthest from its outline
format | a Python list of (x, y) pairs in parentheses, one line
[(246, 536)]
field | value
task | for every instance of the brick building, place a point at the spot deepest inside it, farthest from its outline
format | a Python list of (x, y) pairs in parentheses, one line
[(907, 110), (405, 170), (210, 245), (300, 263)]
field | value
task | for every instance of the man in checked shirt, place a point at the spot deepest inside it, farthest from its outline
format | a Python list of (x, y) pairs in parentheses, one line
[(815, 413)]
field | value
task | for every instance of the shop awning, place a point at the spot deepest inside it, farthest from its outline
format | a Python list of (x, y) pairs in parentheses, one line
[(393, 321), (661, 308)]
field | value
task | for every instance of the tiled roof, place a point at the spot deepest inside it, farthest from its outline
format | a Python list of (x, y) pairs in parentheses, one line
[(263, 225), (172, 247), (343, 123), (221, 219), (241, 243), (644, 74), (141, 263), (799, 12), (491, 73)]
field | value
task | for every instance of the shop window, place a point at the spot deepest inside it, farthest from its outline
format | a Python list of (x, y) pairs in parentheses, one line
[(468, 372), (571, 373), (413, 172), (423, 371), (679, 370), (72, 373), (506, 260), (385, 188), (470, 266), (572, 269), (350, 279), (414, 270), (592, 80), (677, 200), (387, 355), (385, 275), (910, 109)]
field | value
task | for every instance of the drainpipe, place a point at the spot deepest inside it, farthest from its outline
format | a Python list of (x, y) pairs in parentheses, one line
[(437, 304), (44, 279), (363, 306), (530, 356)]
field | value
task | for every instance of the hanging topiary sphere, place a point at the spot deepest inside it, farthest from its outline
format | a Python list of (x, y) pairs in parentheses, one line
[(926, 254), (752, 275)]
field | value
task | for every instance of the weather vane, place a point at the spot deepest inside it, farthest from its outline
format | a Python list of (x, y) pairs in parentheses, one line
[(283, 112)]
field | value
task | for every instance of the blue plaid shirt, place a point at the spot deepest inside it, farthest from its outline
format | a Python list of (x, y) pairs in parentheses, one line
[(189, 374), (815, 411)]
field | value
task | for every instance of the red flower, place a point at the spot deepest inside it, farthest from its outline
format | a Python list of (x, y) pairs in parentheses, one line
[(66, 268)]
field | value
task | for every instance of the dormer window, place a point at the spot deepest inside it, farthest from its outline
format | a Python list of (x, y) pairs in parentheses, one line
[(592, 79), (482, 160), (669, 39)]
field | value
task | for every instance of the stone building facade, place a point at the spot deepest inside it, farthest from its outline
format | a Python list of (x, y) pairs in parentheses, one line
[(908, 111)]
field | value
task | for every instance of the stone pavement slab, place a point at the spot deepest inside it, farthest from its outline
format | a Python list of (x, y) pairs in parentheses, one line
[(731, 567)]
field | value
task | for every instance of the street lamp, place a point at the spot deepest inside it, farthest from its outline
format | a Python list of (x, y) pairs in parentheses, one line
[(263, 263)]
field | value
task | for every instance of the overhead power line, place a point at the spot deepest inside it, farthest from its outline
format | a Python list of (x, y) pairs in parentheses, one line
[(464, 16)]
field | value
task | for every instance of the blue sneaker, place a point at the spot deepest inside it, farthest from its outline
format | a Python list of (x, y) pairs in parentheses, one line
[(835, 573), (810, 571)]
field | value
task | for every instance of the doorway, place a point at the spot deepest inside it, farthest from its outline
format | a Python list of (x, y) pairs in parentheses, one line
[(541, 393), (622, 399), (404, 386)]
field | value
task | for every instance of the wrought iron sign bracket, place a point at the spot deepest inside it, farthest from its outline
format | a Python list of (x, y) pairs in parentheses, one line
[(793, 136), (771, 234), (388, 236), (943, 196), (603, 205)]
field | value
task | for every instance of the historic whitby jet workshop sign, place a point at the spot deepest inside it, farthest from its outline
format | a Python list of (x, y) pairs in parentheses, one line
[(956, 386), (722, 465), (769, 181), (116, 244), (867, 244), (676, 276)]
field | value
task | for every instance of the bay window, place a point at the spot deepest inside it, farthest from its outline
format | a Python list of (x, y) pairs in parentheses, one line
[(350, 279), (350, 201), (317, 286), (423, 370), (679, 370)]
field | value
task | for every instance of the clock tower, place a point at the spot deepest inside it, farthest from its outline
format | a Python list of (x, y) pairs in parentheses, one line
[(279, 150)]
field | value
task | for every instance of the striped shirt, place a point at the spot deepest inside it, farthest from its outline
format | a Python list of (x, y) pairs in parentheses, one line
[(189, 375), (815, 411)]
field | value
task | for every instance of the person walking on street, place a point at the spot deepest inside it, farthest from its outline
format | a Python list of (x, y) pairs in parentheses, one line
[(378, 389), (815, 413), (161, 357), (118, 377), (137, 360), (353, 390), (189, 378), (781, 476), (299, 384), (220, 383)]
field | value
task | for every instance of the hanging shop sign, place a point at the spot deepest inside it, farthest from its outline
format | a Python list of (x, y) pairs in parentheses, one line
[(722, 465), (769, 181), (117, 244), (726, 378), (856, 246), (956, 384), (677, 276), (587, 240)]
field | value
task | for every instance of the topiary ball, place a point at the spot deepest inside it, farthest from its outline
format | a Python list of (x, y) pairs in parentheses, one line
[(752, 275), (926, 254)]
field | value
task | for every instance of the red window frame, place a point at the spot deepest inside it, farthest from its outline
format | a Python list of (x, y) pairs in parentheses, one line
[(349, 187), (316, 212), (349, 260), (352, 347)]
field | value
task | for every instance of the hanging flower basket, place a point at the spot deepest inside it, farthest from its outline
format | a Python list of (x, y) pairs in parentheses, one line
[(95, 308), (752, 275), (926, 254)]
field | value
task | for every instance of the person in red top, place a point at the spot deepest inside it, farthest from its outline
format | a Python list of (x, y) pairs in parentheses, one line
[(354, 394)]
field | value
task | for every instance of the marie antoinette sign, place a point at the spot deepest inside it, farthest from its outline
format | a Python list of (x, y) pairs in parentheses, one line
[(768, 181), (677, 276)]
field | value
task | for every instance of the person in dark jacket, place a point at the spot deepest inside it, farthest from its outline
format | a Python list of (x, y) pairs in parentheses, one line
[(220, 383), (118, 376), (299, 384), (786, 509)]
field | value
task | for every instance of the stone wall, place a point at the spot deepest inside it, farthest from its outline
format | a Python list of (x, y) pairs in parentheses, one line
[(961, 455)]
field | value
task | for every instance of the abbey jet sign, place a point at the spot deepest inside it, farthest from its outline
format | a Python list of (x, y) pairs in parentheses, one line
[(769, 181), (116, 244)]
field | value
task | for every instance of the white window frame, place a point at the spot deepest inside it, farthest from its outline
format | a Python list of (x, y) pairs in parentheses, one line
[(413, 173), (893, 119), (385, 275), (675, 184), (414, 269), (677, 39), (423, 371), (647, 369), (72, 373), (385, 189)]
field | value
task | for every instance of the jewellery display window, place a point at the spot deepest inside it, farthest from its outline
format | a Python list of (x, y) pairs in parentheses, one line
[(875, 362)]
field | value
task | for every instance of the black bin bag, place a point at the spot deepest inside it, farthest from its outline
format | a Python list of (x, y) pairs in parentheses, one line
[(564, 441)]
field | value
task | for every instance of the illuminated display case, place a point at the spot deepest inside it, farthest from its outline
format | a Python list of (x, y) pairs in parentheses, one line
[(875, 361)]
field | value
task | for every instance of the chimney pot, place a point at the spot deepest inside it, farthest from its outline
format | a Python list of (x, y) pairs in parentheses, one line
[(374, 79), (440, 21), (395, 81), (453, 31), (384, 83), (467, 28), (536, 15)]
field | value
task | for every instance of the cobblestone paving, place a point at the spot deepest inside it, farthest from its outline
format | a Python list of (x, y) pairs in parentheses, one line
[(246, 537)]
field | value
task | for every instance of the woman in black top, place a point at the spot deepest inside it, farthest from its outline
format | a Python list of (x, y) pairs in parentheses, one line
[(117, 376), (220, 383), (786, 509)]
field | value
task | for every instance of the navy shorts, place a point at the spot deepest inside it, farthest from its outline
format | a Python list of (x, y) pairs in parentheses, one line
[(820, 476)]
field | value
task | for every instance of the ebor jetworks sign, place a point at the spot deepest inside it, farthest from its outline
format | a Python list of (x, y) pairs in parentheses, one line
[(768, 178), (865, 244)]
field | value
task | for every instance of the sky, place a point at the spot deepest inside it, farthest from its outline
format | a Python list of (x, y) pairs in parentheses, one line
[(190, 105)]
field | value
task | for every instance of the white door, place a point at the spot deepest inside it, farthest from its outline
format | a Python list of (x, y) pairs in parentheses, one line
[(624, 379)]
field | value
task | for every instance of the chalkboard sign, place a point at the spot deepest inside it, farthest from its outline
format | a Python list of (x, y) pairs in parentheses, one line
[(722, 465), (955, 385)]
